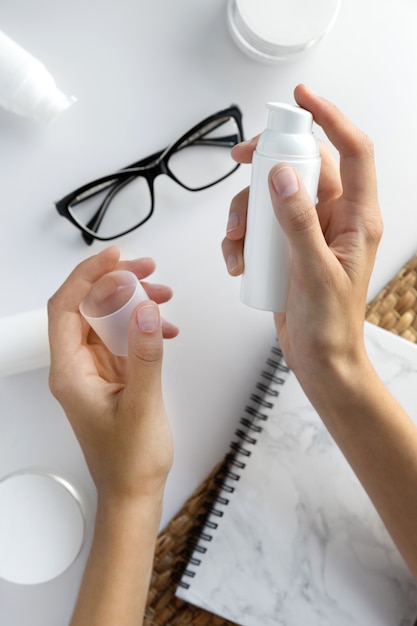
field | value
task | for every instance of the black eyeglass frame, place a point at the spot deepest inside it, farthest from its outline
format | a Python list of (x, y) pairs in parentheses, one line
[(150, 168)]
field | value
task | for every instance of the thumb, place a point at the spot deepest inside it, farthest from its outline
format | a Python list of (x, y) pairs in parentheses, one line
[(296, 213), (145, 349)]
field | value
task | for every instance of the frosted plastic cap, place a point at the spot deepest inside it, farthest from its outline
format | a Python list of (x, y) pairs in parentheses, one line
[(109, 305), (286, 118)]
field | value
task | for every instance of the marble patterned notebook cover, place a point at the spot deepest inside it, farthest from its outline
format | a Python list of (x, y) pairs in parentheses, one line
[(298, 541)]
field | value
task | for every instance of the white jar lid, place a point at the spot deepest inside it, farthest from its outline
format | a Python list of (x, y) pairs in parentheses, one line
[(41, 527), (274, 30)]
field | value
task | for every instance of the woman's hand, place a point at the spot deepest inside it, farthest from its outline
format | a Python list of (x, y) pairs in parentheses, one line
[(116, 409), (114, 404), (333, 244), (333, 247)]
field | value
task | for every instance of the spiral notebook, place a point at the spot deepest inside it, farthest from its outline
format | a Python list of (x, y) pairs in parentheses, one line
[(292, 537)]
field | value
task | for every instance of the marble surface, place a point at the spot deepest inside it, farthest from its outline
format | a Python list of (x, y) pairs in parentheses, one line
[(300, 542)]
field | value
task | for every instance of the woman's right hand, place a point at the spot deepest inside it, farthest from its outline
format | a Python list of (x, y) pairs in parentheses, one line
[(333, 244)]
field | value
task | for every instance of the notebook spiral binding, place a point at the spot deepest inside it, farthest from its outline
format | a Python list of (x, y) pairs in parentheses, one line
[(261, 401)]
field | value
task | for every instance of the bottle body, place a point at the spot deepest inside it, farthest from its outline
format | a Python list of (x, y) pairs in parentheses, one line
[(267, 261)]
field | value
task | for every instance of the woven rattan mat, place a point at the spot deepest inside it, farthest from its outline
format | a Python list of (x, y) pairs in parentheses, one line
[(395, 309)]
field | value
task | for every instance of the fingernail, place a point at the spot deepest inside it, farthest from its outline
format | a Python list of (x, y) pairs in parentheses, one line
[(148, 318), (233, 222), (285, 181), (231, 263)]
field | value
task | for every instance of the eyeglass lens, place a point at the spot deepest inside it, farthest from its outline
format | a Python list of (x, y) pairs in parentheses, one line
[(202, 159), (114, 208), (206, 159)]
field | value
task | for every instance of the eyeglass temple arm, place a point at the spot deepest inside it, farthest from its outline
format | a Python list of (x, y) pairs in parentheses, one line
[(198, 136), (227, 141)]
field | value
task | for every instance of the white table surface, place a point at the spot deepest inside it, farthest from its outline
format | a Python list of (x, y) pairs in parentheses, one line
[(143, 72)]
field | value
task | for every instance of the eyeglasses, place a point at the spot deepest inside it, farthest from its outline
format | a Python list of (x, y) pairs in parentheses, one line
[(117, 204)]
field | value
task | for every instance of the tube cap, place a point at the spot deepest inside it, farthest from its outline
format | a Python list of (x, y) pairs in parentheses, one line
[(52, 104)]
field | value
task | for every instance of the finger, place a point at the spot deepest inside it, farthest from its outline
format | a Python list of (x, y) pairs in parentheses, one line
[(233, 256), (243, 152), (142, 267), (157, 293), (236, 225), (169, 330), (145, 353), (330, 184), (66, 328), (81, 279), (298, 218), (355, 148), (160, 294)]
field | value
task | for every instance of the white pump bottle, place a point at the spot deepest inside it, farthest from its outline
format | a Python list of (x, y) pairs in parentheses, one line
[(288, 138)]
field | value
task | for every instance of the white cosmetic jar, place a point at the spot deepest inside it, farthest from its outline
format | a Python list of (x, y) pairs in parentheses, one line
[(42, 526), (273, 31)]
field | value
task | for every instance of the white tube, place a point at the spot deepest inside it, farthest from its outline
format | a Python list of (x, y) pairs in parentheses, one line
[(26, 86), (24, 342)]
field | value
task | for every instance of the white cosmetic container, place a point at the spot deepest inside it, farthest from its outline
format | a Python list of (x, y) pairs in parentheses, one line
[(288, 138), (26, 86), (42, 526), (273, 31)]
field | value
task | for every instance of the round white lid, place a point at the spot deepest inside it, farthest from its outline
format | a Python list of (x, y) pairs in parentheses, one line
[(41, 527), (288, 23)]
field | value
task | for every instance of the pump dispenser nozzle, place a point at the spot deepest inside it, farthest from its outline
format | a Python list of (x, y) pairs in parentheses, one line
[(285, 118)]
